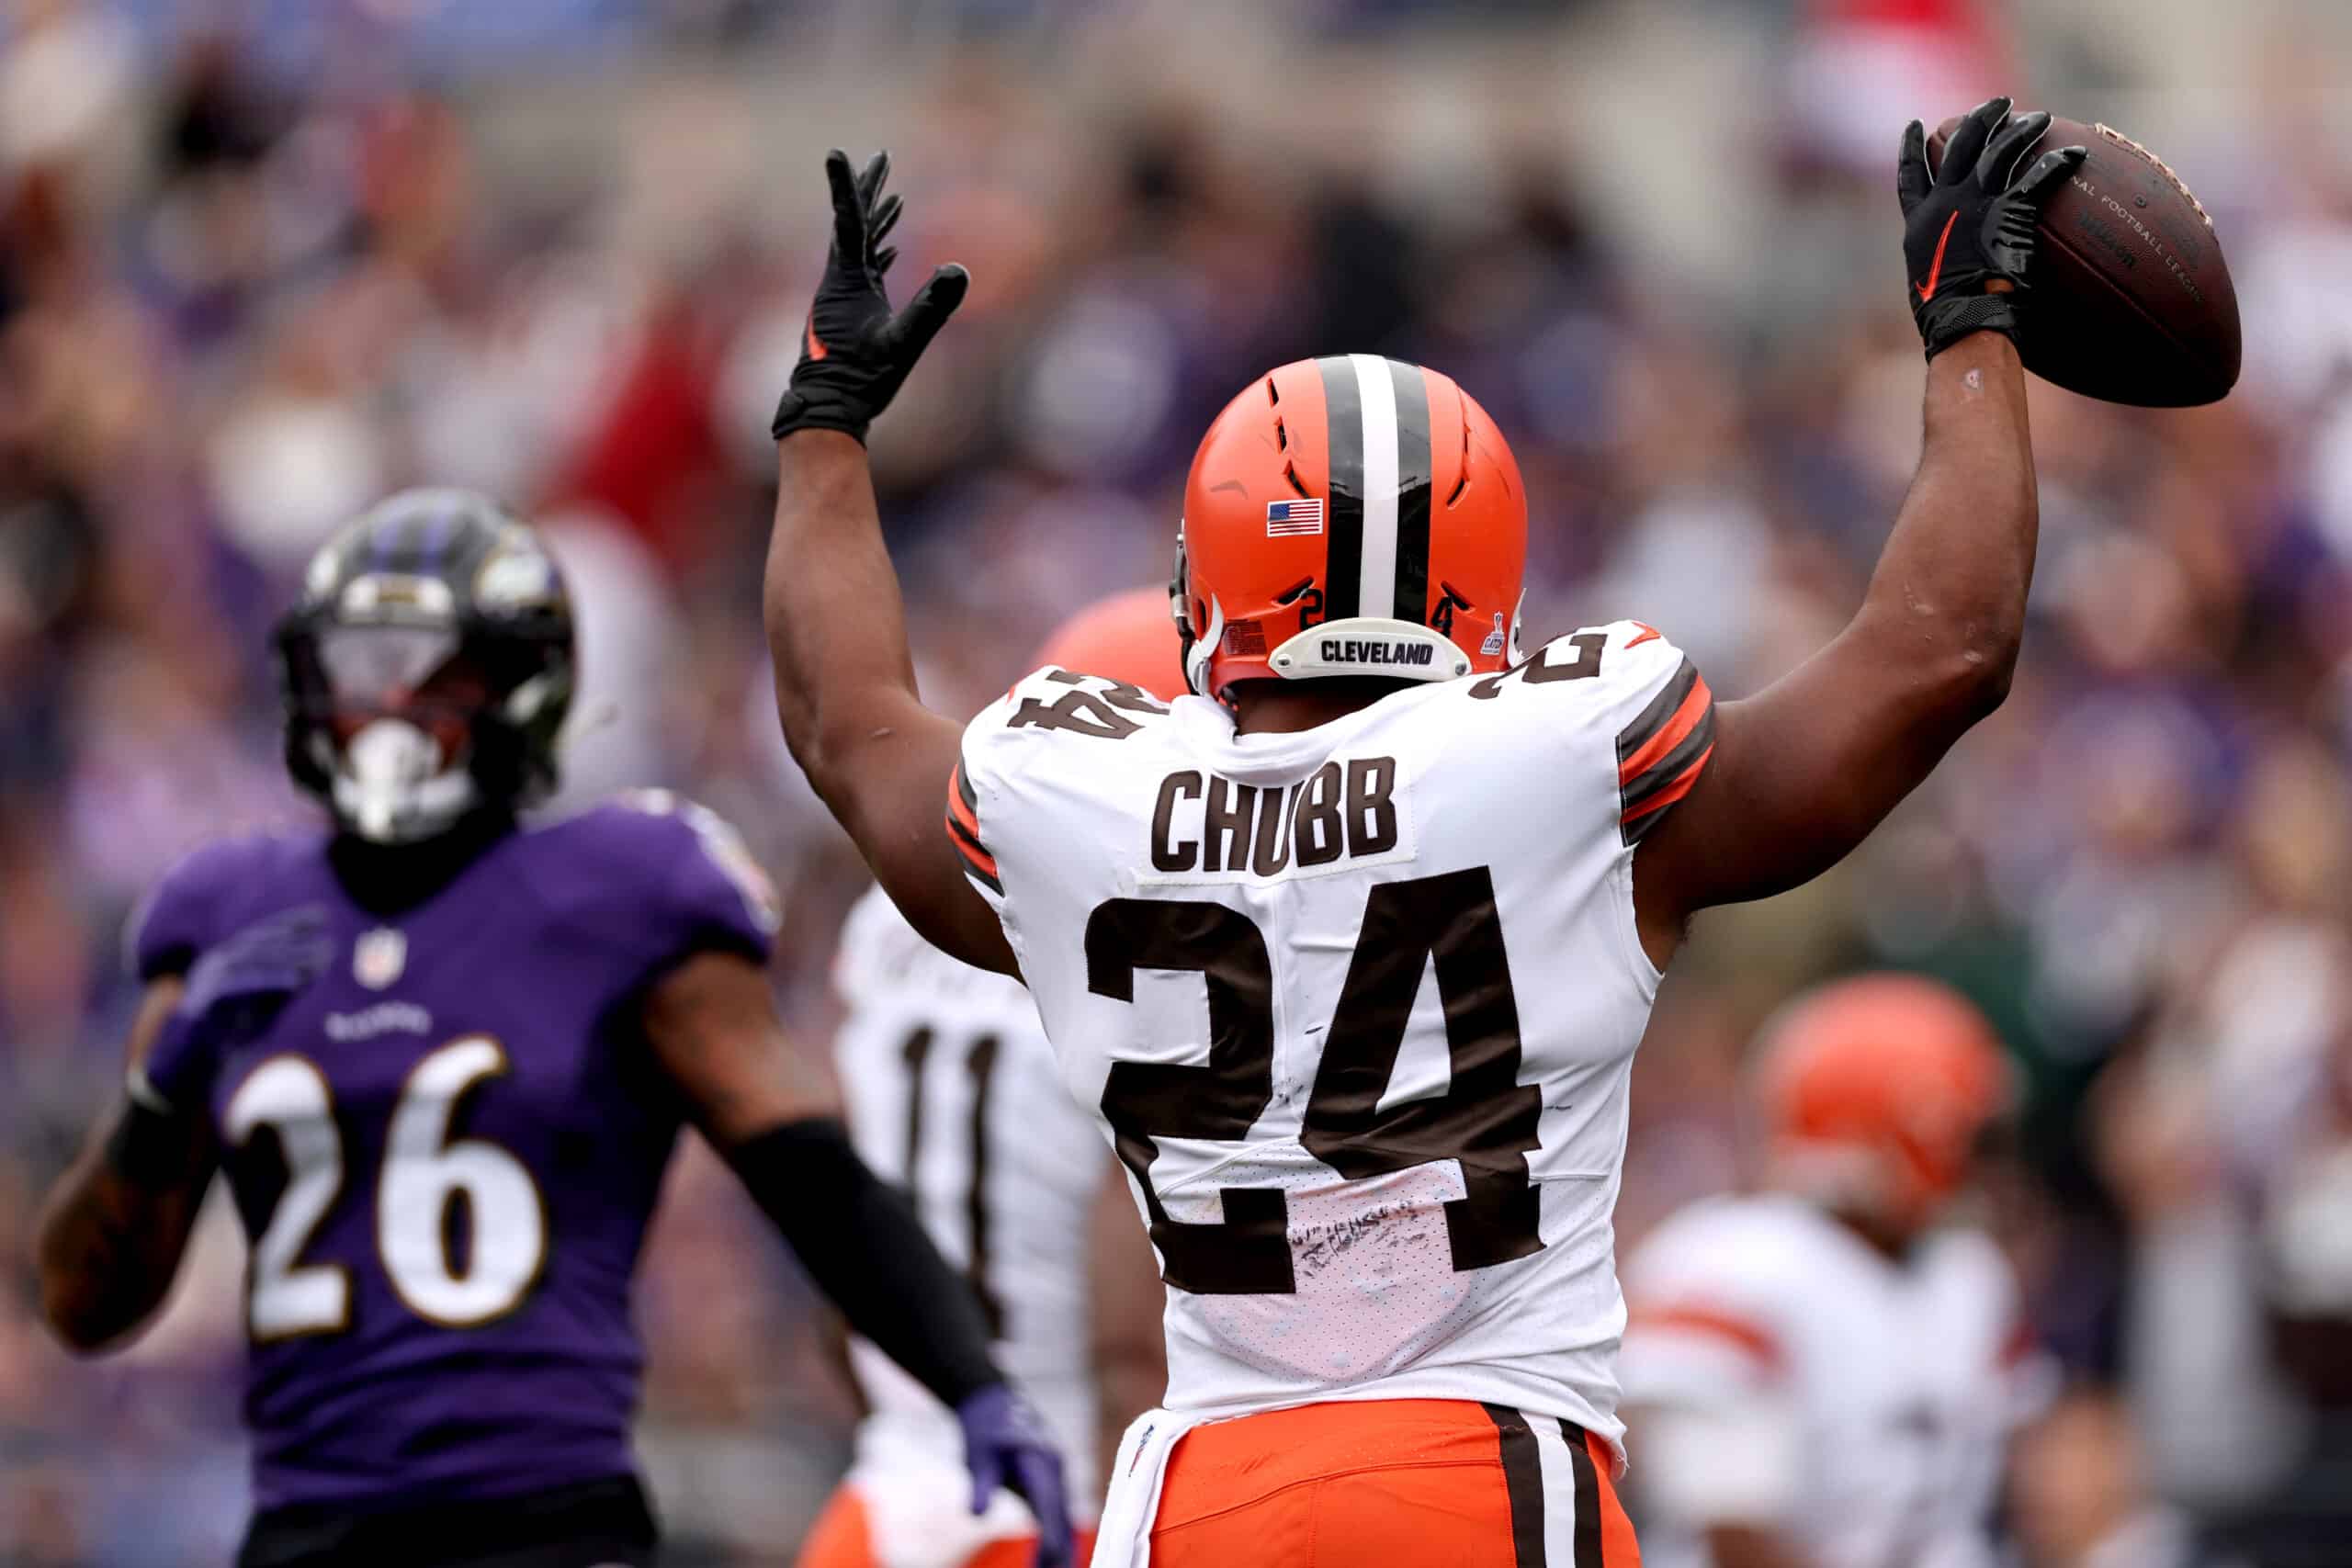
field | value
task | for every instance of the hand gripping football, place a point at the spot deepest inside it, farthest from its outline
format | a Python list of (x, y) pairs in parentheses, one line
[(2132, 301)]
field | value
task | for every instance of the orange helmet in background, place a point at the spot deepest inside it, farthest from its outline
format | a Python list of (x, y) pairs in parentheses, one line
[(1350, 515), (1874, 1092), (1126, 637)]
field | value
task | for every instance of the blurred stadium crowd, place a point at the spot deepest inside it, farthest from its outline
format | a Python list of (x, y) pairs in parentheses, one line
[(264, 261)]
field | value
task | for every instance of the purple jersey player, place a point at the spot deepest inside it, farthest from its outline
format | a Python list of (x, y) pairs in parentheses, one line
[(442, 1060)]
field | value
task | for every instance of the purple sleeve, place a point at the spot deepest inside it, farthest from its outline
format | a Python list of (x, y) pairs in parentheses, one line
[(719, 895), (189, 910), (182, 915), (684, 883)]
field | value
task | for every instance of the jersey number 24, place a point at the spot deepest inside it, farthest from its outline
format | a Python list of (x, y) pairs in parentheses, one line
[(1487, 1118)]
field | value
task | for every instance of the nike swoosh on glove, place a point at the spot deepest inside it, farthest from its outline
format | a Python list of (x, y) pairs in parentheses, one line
[(1968, 227), (1006, 1444), (854, 353)]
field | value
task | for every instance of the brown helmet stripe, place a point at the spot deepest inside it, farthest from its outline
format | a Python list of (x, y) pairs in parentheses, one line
[(1377, 494), (1416, 463)]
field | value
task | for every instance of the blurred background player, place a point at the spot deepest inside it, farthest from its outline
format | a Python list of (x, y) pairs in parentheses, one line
[(443, 1060), (1826, 1374), (954, 1094), (2079, 1494), (1352, 948)]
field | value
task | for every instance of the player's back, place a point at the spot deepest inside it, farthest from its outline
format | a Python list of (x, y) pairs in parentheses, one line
[(1358, 1004), (446, 1150), (953, 1093), (1872, 1396)]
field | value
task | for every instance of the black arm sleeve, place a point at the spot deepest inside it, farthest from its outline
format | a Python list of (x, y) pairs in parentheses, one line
[(859, 1239), (150, 1146)]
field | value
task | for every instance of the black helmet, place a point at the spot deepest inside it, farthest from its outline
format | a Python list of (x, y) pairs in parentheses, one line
[(427, 666)]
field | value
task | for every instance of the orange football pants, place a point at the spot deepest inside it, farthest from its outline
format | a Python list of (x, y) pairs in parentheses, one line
[(1400, 1483), (840, 1539)]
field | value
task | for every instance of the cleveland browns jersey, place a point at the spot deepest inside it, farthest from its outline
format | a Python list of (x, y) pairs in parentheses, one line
[(1356, 1006), (1858, 1404), (953, 1093)]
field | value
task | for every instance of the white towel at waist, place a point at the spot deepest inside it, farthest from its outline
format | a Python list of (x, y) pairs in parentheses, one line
[(1124, 1538)]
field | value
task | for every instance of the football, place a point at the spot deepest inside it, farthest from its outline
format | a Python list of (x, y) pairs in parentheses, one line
[(2149, 314)]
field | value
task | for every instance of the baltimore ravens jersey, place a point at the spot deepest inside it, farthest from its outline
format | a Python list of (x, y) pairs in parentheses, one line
[(953, 1092), (446, 1149), (1857, 1404), (1357, 1007)]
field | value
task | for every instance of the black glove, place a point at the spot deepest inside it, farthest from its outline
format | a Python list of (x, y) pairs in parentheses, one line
[(1969, 226), (855, 353)]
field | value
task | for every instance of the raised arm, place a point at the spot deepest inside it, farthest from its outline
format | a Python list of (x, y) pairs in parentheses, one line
[(844, 678), (1805, 770)]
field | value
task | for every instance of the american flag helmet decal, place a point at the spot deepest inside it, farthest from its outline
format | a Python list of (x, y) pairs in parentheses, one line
[(1284, 518)]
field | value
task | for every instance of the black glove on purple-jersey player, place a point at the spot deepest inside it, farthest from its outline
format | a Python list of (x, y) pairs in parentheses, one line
[(1967, 228), (856, 353)]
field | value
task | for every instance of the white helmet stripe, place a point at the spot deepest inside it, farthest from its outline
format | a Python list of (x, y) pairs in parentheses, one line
[(1376, 395)]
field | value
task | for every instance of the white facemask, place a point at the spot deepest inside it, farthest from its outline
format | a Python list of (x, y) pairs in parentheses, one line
[(392, 785)]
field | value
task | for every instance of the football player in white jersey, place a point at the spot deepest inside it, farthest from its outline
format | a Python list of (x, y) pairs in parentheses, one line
[(1351, 949), (1821, 1374), (953, 1093)]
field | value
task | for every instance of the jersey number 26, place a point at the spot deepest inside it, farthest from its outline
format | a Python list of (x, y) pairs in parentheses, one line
[(425, 1172)]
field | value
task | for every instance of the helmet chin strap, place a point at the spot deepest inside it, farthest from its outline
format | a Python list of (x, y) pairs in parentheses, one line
[(1196, 657), (393, 786), (1188, 638)]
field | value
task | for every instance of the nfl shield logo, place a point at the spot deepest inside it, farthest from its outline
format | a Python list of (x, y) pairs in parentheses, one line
[(377, 958)]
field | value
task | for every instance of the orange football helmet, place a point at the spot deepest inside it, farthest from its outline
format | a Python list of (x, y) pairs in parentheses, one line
[(1874, 1091), (1350, 515), (1126, 637)]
